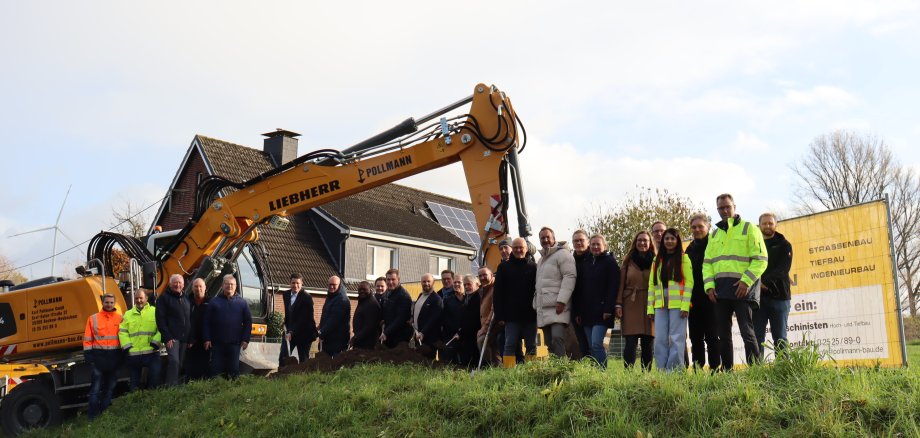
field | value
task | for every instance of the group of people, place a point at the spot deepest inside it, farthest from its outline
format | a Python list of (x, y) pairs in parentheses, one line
[(657, 291), (444, 322), (201, 337)]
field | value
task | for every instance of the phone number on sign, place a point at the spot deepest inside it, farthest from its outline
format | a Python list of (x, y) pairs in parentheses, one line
[(833, 342)]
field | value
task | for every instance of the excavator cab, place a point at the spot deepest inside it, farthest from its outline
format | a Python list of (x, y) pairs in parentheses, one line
[(248, 267)]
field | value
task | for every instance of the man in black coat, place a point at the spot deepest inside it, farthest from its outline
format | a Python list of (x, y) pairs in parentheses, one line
[(451, 322), (470, 321), (197, 359), (397, 312), (426, 316), (580, 253), (775, 296), (447, 279), (299, 324), (335, 321), (380, 290), (367, 319), (515, 284), (702, 319), (174, 321)]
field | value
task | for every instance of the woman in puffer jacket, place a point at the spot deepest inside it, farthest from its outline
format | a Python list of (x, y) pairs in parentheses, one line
[(594, 302)]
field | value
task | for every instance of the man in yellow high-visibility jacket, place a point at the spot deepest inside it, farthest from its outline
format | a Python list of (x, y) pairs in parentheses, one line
[(140, 338), (735, 259)]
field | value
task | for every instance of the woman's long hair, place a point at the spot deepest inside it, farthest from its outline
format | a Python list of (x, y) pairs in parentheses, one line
[(632, 246), (670, 263)]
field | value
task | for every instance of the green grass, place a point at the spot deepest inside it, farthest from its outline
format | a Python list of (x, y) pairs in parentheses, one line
[(543, 399), (913, 354)]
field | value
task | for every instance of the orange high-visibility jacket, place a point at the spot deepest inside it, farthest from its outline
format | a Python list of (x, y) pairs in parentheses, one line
[(102, 331)]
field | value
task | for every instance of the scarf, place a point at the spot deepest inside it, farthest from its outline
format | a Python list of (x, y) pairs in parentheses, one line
[(643, 261)]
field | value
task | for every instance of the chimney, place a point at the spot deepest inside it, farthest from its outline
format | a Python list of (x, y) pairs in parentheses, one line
[(281, 145)]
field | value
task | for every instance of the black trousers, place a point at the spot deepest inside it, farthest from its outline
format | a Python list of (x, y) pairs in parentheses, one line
[(197, 362), (648, 350), (703, 328), (302, 349), (744, 314)]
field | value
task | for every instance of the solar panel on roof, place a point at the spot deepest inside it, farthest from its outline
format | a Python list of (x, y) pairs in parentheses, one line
[(460, 222)]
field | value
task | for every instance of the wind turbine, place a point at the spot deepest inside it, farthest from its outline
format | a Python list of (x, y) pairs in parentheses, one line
[(56, 229)]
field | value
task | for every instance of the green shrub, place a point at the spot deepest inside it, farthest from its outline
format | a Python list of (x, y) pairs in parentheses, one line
[(275, 322)]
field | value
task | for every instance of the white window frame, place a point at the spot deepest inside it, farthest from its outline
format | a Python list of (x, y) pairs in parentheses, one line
[(451, 264), (372, 249)]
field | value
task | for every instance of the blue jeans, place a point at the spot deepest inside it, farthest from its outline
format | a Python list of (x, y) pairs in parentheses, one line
[(500, 342), (595, 335), (137, 364), (100, 390), (777, 313), (670, 339), (225, 359), (515, 331)]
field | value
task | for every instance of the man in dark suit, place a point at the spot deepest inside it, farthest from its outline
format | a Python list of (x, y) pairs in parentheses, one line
[(366, 322), (426, 316), (299, 325), (380, 290), (397, 312), (335, 322)]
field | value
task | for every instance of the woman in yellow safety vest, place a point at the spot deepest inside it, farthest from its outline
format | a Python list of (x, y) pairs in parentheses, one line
[(669, 290)]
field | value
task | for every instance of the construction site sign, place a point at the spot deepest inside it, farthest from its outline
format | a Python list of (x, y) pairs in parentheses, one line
[(844, 295)]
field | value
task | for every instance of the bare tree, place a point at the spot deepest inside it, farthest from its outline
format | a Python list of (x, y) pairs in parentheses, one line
[(905, 224), (620, 223), (129, 219), (844, 168)]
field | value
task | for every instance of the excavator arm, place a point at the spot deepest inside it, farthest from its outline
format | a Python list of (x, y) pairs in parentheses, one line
[(486, 140)]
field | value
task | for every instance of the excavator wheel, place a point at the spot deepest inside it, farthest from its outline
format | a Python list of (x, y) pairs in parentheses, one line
[(30, 405)]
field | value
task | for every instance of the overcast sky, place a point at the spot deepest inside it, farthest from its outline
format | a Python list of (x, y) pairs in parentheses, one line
[(699, 97)]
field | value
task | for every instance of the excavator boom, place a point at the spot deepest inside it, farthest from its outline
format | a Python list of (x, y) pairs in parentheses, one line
[(485, 140)]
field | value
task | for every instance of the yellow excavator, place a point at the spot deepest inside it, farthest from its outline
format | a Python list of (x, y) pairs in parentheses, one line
[(41, 325)]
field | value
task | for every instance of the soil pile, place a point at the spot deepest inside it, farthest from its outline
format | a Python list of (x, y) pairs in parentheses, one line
[(401, 354)]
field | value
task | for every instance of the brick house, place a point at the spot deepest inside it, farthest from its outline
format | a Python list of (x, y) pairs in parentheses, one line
[(357, 238)]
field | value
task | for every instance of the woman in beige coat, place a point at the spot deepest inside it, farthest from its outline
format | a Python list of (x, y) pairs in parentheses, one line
[(632, 300)]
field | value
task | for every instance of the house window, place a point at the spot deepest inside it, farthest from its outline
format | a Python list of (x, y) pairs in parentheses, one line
[(438, 263), (250, 283), (379, 260)]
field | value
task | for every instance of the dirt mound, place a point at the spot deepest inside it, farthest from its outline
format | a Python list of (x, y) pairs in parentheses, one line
[(401, 354)]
